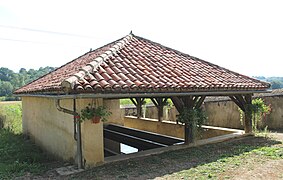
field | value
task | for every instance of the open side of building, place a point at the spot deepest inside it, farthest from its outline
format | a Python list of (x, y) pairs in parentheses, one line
[(131, 67)]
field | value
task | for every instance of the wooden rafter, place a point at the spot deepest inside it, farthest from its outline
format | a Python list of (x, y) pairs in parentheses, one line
[(195, 99), (236, 101), (199, 102), (177, 103), (133, 101)]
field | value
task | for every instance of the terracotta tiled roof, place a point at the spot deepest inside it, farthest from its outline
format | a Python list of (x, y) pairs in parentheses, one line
[(134, 64)]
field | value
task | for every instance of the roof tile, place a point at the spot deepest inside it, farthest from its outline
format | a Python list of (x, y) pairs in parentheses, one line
[(134, 64)]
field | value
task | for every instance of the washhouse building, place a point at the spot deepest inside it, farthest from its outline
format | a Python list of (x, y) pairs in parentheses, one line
[(130, 67)]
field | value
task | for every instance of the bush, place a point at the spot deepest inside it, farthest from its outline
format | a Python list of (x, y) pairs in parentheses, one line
[(258, 110)]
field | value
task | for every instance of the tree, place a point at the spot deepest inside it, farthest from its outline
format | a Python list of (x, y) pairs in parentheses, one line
[(6, 88), (276, 84), (5, 74), (23, 71), (9, 80)]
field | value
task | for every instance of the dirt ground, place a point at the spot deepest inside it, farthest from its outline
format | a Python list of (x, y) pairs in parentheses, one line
[(265, 169), (271, 169), (268, 170)]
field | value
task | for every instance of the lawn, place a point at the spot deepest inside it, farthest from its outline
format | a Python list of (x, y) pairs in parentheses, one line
[(11, 115), (225, 160), (18, 155)]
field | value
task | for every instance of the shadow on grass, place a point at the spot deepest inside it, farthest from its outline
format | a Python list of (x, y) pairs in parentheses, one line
[(175, 161), (18, 156)]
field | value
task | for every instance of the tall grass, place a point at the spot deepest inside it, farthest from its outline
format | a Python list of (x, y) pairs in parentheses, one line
[(11, 116), (18, 155)]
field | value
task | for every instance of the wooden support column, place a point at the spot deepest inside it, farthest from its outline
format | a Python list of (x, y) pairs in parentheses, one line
[(189, 129), (248, 115), (189, 102), (244, 102), (138, 103), (159, 103)]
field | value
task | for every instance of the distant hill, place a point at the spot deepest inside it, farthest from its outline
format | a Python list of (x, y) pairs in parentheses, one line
[(276, 82), (10, 80)]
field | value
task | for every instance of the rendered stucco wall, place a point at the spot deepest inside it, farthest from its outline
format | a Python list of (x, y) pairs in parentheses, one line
[(53, 130), (92, 136), (153, 125), (117, 117), (223, 114), (275, 119), (226, 114), (49, 128)]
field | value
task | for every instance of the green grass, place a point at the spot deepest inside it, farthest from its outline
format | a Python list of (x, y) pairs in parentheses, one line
[(18, 155), (229, 161), (204, 162), (125, 102), (11, 116)]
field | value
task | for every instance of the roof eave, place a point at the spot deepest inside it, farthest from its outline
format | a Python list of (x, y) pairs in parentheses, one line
[(145, 95)]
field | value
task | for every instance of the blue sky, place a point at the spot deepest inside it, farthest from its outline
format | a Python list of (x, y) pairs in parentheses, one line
[(243, 36)]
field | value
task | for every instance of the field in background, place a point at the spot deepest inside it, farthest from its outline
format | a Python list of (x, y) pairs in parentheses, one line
[(11, 116)]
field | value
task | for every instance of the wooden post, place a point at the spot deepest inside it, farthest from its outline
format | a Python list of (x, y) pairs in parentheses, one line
[(248, 114), (139, 107), (159, 103), (244, 102), (138, 103), (188, 134), (160, 109), (188, 102)]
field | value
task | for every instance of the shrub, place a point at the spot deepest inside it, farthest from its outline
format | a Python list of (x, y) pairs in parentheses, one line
[(258, 109)]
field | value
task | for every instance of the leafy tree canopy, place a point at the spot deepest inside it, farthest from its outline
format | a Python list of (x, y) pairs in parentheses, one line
[(10, 81)]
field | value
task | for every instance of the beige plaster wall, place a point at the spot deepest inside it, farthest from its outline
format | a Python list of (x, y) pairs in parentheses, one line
[(153, 125), (92, 136), (168, 114), (49, 128), (223, 114), (226, 114), (275, 119), (117, 116), (53, 130)]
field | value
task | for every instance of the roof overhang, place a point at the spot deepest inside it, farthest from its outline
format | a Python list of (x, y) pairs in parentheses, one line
[(145, 95)]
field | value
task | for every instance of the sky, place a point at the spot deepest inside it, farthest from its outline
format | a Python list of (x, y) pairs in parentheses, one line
[(245, 36)]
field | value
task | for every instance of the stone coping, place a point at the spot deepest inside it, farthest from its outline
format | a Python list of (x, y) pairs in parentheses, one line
[(173, 122)]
